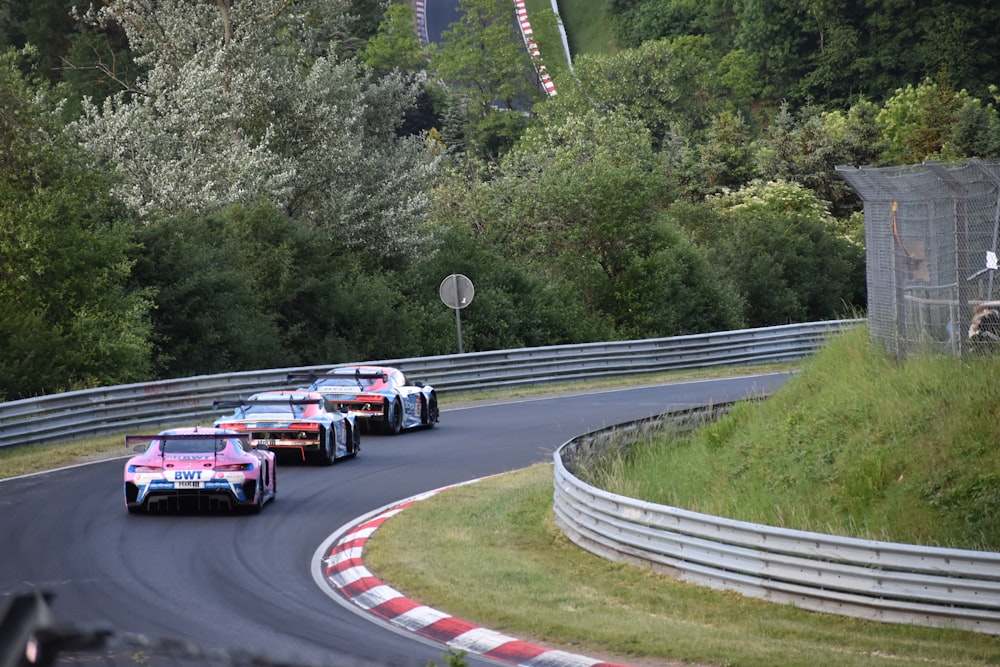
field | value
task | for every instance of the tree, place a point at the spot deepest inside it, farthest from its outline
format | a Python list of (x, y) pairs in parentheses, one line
[(931, 121), (249, 100), (514, 307), (776, 242), (210, 316), (807, 146), (67, 317), (670, 85), (578, 201), (483, 58), (395, 45), (724, 159)]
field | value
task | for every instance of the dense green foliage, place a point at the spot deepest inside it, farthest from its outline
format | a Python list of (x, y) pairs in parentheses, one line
[(275, 184), (67, 318), (830, 52)]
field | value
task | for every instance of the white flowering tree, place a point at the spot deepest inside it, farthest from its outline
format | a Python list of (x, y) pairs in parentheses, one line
[(244, 100)]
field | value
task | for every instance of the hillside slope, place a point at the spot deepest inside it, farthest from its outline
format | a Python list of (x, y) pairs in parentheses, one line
[(857, 444)]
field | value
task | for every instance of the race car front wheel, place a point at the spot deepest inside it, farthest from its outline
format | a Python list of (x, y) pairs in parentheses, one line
[(431, 411)]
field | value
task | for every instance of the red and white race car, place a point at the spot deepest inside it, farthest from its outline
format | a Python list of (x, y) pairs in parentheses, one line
[(198, 468), (303, 423), (379, 396)]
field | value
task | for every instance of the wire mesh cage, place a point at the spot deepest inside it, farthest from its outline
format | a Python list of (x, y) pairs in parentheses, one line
[(931, 233)]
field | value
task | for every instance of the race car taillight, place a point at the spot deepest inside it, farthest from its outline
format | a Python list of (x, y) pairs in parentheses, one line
[(303, 427), (229, 467), (135, 468)]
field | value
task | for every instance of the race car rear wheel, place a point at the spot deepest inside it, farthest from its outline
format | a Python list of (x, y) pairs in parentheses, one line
[(326, 453), (354, 441), (258, 501), (394, 418)]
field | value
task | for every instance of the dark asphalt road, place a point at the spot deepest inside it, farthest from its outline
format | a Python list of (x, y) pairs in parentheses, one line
[(244, 582)]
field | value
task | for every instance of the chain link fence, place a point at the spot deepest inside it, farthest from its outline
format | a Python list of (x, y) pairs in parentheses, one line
[(931, 238)]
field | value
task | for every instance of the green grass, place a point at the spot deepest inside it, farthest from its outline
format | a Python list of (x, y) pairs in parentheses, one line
[(587, 32), (856, 444), (588, 29), (491, 554)]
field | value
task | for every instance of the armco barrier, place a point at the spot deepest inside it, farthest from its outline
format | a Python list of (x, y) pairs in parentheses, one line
[(868, 579), (91, 412)]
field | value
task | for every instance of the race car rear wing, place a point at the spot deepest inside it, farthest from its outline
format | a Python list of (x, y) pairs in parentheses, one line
[(235, 405), (139, 443), (358, 375)]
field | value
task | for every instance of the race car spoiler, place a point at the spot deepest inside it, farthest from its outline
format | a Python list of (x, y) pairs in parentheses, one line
[(236, 405), (131, 441), (357, 375)]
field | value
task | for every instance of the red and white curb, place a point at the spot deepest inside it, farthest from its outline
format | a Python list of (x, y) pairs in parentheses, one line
[(420, 20), (343, 570), (529, 41), (420, 24)]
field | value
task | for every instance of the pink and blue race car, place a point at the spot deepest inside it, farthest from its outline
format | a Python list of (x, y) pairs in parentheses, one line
[(379, 396), (198, 468)]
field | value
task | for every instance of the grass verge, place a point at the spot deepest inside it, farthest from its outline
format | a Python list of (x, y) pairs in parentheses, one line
[(588, 29), (490, 553), (855, 444)]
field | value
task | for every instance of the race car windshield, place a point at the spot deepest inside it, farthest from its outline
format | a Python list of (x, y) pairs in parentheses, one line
[(352, 382), (342, 381), (192, 445), (275, 408)]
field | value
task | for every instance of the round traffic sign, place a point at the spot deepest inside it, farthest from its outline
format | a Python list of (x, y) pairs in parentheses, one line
[(456, 291)]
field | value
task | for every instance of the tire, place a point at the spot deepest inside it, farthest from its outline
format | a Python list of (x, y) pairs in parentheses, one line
[(431, 411), (394, 421), (258, 501), (325, 455), (355, 440)]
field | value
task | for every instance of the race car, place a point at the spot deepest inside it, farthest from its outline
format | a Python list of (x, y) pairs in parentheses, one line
[(196, 469), (378, 395), (304, 423)]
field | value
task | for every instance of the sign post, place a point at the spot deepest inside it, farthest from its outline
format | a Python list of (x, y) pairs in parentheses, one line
[(456, 292)]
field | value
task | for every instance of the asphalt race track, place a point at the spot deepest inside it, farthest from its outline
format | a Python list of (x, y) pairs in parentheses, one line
[(244, 582)]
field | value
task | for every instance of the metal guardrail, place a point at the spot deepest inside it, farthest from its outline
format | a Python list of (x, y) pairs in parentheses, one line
[(91, 412), (882, 581)]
